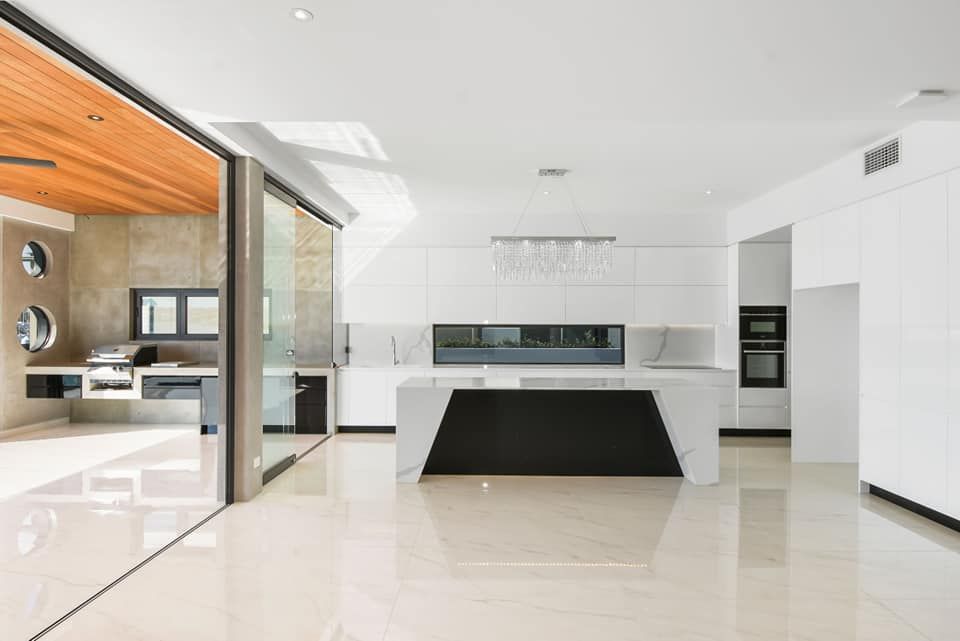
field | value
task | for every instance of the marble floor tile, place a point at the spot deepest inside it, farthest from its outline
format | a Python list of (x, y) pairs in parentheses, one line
[(82, 504), (335, 550)]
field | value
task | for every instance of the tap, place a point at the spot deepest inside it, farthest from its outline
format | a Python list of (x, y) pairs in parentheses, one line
[(393, 346)]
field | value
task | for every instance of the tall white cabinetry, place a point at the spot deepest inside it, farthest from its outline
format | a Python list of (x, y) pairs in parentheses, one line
[(826, 249), (924, 359), (880, 342), (953, 312), (910, 342)]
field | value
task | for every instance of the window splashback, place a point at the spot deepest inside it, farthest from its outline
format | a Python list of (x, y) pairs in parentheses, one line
[(528, 344)]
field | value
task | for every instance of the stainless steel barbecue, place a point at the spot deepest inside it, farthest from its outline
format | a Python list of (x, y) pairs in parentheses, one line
[(112, 374)]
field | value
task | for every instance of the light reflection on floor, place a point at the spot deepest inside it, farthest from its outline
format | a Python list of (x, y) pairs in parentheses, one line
[(335, 549), (82, 504)]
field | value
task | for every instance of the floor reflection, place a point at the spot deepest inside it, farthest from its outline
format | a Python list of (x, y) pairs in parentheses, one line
[(82, 504), (335, 549)]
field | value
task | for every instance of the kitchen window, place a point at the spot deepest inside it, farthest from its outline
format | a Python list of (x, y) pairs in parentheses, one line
[(180, 314)]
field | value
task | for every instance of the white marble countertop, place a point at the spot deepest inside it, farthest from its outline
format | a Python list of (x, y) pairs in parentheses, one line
[(548, 382)]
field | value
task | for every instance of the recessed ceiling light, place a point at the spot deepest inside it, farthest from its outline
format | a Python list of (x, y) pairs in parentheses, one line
[(709, 192), (546, 193), (923, 98), (301, 14), (43, 193), (95, 117)]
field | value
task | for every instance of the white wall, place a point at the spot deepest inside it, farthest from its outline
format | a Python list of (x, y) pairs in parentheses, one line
[(825, 376)]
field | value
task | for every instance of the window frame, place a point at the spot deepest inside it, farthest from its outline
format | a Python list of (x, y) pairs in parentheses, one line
[(182, 294)]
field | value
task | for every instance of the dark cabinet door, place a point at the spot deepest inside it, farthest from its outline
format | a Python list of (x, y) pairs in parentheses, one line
[(53, 385), (311, 405)]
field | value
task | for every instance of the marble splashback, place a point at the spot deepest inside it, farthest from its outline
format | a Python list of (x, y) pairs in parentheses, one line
[(645, 345)]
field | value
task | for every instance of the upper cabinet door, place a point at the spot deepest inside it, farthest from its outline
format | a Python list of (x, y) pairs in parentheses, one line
[(953, 279), (841, 246), (808, 253)]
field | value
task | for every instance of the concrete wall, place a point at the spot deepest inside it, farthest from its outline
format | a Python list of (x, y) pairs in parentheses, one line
[(314, 292), (112, 254), (18, 290)]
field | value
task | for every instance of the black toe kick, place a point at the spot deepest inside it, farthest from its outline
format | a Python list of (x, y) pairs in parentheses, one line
[(553, 432)]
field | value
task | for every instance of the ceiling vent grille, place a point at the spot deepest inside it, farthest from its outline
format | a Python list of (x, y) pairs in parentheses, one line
[(882, 156)]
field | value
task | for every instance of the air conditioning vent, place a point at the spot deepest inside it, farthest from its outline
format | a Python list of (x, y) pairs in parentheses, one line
[(882, 156)]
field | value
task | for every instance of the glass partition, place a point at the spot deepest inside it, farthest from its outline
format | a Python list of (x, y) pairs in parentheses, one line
[(528, 344), (279, 386)]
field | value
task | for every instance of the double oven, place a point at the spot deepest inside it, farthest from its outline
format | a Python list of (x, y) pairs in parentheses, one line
[(763, 342)]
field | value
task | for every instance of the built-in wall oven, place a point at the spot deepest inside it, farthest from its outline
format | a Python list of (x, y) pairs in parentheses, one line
[(763, 323), (763, 346), (762, 364)]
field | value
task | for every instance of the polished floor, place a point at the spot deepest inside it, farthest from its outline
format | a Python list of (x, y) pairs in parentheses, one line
[(335, 550), (81, 504)]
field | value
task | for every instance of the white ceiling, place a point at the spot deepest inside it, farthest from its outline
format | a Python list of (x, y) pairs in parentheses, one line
[(458, 103)]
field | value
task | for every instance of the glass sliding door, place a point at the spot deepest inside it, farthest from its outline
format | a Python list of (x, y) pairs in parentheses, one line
[(279, 348)]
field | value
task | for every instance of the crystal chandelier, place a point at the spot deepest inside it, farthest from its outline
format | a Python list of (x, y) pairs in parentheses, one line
[(550, 257)]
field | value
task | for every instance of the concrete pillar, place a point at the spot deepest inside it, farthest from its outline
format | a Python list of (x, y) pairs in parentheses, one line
[(247, 338)]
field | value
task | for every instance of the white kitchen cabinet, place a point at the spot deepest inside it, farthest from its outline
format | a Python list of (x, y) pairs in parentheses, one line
[(461, 304), (621, 272), (841, 246), (460, 266), (953, 436), (924, 342), (385, 303), (361, 397), (880, 342), (681, 265), (807, 250), (529, 303), (384, 266), (367, 397), (764, 272), (599, 304), (680, 305)]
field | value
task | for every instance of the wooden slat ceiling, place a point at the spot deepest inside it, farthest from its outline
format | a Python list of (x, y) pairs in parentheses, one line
[(127, 164)]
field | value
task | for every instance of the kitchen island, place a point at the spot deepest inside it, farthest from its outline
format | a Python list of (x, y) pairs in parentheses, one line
[(623, 425)]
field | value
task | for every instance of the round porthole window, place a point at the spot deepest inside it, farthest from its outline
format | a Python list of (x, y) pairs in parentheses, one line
[(35, 329), (34, 259)]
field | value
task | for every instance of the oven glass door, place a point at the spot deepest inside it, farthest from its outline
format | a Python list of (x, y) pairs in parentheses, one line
[(763, 327), (761, 368)]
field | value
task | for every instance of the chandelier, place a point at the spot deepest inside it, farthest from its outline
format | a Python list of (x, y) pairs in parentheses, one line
[(583, 257)]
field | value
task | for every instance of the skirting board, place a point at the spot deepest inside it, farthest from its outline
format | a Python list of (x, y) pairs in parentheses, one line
[(746, 431), (367, 429), (922, 510), (33, 427)]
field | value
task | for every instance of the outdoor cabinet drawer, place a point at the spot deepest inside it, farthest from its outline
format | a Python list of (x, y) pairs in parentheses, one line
[(53, 385), (171, 387)]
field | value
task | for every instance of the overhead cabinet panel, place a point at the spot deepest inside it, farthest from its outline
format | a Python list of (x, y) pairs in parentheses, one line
[(680, 305), (599, 304), (807, 253), (384, 266), (462, 304), (681, 265), (385, 304), (841, 246), (530, 304), (460, 266)]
